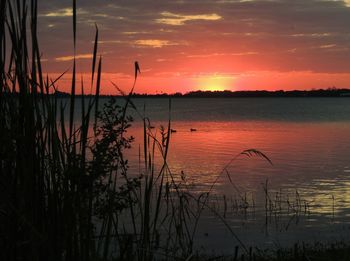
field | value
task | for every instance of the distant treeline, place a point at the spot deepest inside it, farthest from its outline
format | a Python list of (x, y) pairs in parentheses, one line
[(331, 92)]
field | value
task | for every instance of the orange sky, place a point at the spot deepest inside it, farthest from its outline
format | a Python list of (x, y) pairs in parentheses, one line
[(208, 45)]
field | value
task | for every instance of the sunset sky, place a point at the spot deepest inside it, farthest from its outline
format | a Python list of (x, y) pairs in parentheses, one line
[(202, 45)]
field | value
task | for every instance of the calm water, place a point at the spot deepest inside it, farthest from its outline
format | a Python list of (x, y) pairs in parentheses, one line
[(308, 141)]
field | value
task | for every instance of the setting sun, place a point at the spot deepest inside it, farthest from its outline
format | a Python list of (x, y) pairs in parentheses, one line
[(215, 83)]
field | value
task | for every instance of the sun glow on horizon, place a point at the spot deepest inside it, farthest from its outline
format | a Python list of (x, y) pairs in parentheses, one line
[(215, 83)]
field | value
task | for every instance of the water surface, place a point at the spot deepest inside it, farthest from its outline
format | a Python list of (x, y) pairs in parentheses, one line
[(307, 140)]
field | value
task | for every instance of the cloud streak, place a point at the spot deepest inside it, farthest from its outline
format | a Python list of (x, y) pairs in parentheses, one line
[(154, 43), (169, 18), (70, 58), (64, 12)]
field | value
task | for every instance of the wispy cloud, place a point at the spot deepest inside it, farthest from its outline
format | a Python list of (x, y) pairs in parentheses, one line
[(111, 42), (315, 35), (221, 54), (64, 12), (70, 58), (160, 60), (154, 43), (135, 32), (327, 46), (180, 19)]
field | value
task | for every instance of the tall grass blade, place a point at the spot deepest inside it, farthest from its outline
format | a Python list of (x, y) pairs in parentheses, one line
[(94, 56), (253, 152), (72, 101), (98, 87), (137, 70), (74, 23)]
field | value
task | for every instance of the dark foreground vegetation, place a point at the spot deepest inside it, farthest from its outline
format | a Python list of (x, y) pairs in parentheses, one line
[(65, 189)]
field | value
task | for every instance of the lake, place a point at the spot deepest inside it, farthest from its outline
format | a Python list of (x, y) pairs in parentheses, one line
[(308, 182)]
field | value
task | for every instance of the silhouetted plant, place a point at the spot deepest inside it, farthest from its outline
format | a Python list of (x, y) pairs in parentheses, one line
[(112, 186)]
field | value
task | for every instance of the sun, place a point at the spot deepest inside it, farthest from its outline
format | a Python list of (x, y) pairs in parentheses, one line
[(215, 83)]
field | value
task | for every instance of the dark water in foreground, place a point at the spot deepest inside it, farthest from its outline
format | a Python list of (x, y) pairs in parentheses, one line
[(308, 141)]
